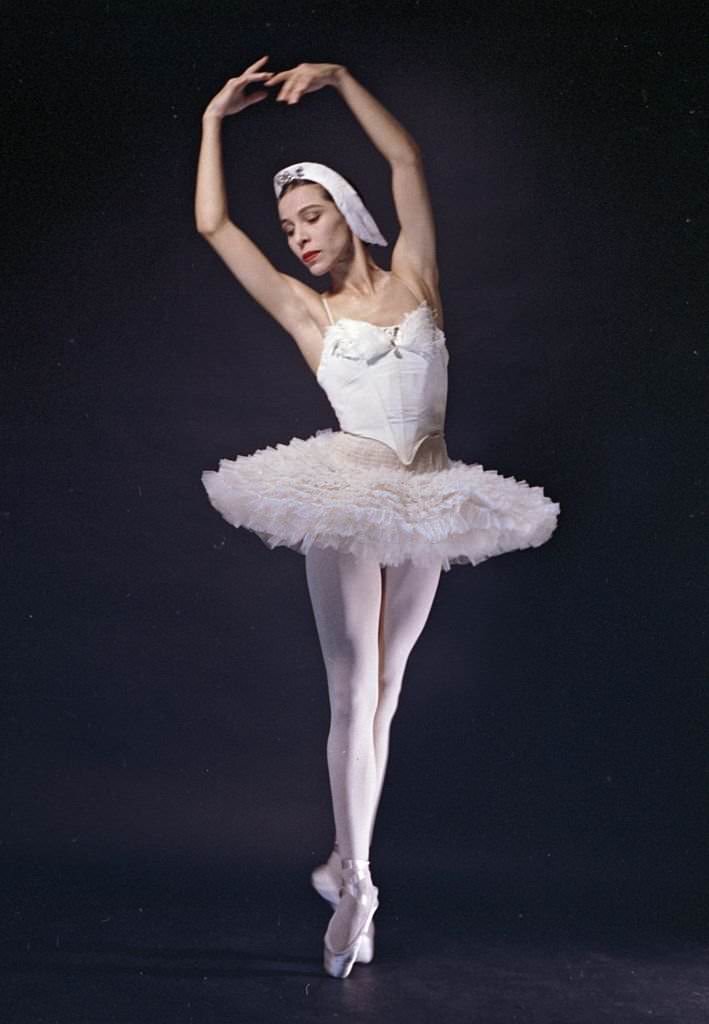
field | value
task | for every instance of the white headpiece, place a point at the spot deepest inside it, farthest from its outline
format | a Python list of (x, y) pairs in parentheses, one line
[(346, 199)]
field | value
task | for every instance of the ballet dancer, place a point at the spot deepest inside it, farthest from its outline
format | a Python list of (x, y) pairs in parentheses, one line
[(378, 508)]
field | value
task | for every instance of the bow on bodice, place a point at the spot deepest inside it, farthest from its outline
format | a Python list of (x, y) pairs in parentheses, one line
[(358, 339)]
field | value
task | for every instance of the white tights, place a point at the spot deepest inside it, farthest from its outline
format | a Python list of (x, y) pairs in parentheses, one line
[(368, 619)]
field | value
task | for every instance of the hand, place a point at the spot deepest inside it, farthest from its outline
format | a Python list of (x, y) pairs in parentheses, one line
[(303, 78), (232, 98)]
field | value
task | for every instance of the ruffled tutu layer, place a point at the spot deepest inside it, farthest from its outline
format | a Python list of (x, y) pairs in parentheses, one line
[(352, 493)]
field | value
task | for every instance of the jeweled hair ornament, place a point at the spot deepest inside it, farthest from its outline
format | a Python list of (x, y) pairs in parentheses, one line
[(346, 199)]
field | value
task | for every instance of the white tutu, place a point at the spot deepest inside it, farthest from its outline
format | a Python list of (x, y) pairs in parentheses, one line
[(344, 491)]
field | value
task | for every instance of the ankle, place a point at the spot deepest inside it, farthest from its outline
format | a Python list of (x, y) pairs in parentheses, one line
[(353, 864), (356, 876)]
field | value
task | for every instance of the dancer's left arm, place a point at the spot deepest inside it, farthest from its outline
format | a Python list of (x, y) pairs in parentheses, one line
[(415, 249)]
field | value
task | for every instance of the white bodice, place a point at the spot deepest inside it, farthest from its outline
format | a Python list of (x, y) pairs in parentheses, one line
[(387, 383)]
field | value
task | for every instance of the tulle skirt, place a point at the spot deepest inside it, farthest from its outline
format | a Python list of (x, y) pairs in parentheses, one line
[(340, 490)]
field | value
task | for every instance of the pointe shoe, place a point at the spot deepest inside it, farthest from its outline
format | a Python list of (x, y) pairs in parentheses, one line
[(326, 879), (358, 883)]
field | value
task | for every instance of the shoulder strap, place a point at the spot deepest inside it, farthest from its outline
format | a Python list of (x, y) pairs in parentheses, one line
[(327, 309)]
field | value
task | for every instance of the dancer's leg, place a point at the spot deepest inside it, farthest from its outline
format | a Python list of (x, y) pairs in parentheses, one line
[(345, 592), (408, 593)]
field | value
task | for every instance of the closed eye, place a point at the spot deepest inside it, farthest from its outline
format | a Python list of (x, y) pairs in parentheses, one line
[(309, 220)]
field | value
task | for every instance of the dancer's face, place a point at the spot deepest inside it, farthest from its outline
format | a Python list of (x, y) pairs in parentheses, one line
[(312, 223)]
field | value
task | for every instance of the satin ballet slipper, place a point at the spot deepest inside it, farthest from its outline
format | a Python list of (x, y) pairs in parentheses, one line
[(356, 882), (326, 879)]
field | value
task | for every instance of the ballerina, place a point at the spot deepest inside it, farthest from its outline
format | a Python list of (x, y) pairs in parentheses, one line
[(378, 508)]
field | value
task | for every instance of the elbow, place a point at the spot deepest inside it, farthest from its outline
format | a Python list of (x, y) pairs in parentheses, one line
[(208, 227), (408, 154), (209, 216)]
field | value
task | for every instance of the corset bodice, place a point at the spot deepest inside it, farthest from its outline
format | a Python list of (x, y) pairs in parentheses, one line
[(388, 383)]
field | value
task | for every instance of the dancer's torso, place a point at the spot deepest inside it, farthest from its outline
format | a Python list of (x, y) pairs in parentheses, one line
[(387, 383)]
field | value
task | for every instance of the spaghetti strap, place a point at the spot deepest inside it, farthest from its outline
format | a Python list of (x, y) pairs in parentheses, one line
[(327, 309)]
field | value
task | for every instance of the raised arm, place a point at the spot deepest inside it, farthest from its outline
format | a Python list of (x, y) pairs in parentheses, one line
[(245, 260), (415, 250)]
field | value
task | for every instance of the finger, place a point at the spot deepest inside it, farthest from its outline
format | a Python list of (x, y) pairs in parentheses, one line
[(255, 97), (278, 77), (257, 62), (287, 91)]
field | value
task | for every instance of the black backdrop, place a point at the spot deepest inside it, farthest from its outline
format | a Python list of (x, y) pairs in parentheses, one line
[(165, 699)]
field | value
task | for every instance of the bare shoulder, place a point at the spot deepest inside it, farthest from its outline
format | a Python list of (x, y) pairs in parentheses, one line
[(309, 335), (426, 289)]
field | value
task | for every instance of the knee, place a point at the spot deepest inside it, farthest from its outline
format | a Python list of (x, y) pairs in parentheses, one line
[(353, 706), (390, 683)]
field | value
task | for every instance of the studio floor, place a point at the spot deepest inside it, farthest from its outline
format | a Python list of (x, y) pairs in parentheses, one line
[(127, 947)]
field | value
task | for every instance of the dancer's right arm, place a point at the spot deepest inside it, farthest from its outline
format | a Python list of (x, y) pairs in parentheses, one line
[(245, 260)]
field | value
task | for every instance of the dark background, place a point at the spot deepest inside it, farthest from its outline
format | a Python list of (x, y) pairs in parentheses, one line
[(164, 697)]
